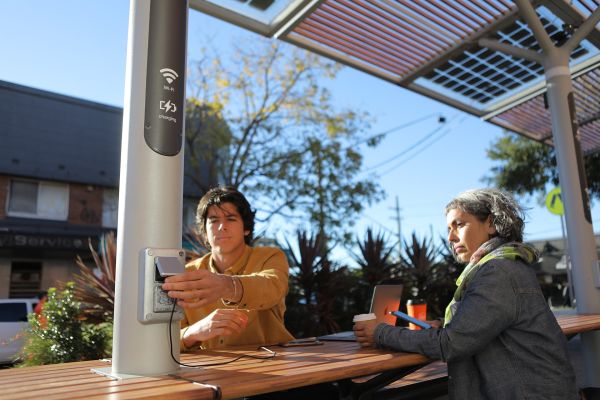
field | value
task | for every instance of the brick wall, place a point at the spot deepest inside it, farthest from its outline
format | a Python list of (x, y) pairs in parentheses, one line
[(85, 205), (4, 183)]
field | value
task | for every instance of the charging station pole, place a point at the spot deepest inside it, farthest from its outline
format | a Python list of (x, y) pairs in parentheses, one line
[(151, 181)]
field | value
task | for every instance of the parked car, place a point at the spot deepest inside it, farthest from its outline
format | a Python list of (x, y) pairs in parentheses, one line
[(13, 321)]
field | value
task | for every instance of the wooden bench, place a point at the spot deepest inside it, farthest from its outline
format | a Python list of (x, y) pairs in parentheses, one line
[(431, 381)]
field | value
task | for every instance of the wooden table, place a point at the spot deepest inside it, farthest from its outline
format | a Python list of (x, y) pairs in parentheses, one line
[(572, 324), (291, 368)]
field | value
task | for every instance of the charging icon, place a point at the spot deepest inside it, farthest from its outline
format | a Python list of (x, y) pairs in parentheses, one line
[(167, 106)]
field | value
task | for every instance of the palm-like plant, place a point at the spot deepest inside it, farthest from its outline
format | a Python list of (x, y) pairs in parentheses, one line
[(310, 249), (376, 266), (95, 285), (331, 290), (317, 283), (375, 259), (422, 270)]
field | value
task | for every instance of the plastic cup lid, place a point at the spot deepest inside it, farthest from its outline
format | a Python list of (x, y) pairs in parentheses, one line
[(364, 317)]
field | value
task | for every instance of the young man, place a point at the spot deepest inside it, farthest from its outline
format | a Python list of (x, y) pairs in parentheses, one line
[(235, 294)]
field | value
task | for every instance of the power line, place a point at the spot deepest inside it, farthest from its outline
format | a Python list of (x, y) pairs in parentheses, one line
[(412, 147), (399, 127), (402, 162)]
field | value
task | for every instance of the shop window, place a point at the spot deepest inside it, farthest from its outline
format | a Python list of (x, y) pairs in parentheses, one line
[(110, 208), (38, 199), (25, 279)]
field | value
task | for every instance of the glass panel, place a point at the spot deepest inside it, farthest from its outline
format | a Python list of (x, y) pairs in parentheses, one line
[(23, 197), (110, 208), (53, 201), (267, 12), (13, 312)]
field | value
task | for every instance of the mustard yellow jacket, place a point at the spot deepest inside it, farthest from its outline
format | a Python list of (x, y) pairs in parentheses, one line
[(263, 273)]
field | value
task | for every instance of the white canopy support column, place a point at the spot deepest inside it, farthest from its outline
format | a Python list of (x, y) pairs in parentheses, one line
[(151, 182), (580, 234)]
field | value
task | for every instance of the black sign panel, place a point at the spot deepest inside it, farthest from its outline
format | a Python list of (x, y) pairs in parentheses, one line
[(165, 79), (55, 242)]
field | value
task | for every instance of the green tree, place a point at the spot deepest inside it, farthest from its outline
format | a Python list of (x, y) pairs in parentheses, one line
[(527, 167), (264, 123)]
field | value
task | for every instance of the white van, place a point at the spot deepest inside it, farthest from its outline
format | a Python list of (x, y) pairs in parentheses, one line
[(13, 322)]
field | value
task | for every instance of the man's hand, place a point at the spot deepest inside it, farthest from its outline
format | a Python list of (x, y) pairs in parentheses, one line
[(194, 289), (364, 331), (221, 322)]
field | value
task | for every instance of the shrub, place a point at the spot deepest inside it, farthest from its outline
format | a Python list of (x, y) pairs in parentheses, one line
[(60, 334)]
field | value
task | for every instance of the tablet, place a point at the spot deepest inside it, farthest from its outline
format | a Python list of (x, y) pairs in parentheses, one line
[(406, 317)]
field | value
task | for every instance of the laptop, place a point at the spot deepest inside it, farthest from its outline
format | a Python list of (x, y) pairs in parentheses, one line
[(385, 298)]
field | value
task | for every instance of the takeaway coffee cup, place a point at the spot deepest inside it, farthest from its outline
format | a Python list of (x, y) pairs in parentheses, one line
[(416, 308)]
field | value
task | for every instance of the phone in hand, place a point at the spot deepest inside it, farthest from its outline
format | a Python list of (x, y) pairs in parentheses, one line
[(406, 317)]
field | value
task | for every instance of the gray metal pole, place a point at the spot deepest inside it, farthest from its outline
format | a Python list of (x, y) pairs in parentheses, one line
[(151, 181), (580, 234)]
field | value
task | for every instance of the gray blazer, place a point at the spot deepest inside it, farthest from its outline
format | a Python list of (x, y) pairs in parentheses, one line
[(502, 343)]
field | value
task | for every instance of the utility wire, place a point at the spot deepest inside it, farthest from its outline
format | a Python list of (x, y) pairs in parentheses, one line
[(397, 128), (411, 147), (422, 149)]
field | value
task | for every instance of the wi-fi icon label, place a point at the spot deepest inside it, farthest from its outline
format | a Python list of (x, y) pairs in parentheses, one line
[(169, 74)]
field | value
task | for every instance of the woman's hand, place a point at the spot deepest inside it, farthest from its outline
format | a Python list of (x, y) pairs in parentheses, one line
[(436, 323), (364, 331), (221, 322)]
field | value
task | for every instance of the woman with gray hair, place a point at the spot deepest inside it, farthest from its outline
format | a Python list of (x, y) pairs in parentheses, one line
[(499, 337)]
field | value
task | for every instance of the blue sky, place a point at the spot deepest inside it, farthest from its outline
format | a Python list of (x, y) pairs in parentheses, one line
[(78, 48)]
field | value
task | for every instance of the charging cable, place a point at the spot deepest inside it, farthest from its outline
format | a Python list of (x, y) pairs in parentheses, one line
[(272, 353)]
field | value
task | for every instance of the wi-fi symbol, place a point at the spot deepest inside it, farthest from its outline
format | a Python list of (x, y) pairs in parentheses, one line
[(169, 74)]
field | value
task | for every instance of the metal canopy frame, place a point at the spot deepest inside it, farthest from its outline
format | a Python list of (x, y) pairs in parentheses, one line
[(432, 48)]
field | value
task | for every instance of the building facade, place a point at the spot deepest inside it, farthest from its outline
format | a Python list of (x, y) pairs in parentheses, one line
[(59, 173)]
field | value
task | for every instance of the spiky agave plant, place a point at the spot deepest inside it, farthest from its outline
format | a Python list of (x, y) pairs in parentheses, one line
[(376, 267), (95, 284)]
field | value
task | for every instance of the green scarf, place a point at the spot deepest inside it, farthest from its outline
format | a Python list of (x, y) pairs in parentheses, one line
[(493, 249)]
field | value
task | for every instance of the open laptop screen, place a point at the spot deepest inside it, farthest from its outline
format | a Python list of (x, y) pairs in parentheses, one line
[(386, 298)]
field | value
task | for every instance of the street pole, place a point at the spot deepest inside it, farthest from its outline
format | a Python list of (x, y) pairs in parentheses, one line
[(398, 219), (567, 261), (151, 180)]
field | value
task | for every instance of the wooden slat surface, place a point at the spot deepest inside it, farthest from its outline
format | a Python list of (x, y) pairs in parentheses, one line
[(578, 323), (570, 324), (292, 367)]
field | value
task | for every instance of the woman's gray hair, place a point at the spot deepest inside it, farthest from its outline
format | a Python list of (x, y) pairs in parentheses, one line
[(506, 215)]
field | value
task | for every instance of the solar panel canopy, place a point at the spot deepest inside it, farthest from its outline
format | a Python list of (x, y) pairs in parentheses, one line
[(431, 47)]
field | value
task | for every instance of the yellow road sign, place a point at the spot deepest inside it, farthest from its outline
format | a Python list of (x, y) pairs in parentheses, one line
[(554, 202)]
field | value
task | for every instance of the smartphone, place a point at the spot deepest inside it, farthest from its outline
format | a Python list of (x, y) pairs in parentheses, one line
[(413, 320), (312, 341)]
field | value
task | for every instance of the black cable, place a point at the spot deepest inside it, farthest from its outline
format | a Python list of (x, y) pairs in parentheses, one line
[(271, 355)]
